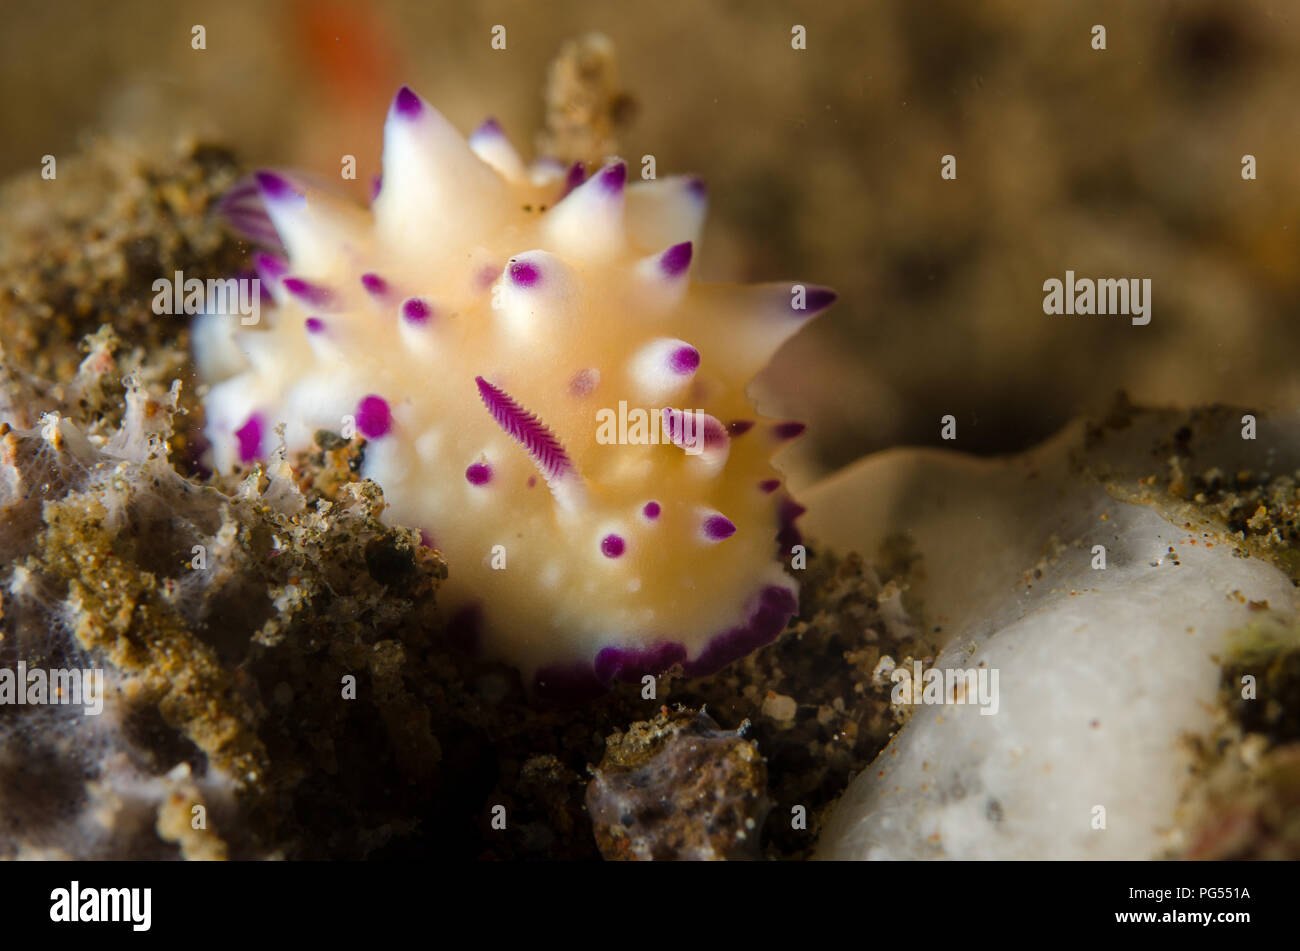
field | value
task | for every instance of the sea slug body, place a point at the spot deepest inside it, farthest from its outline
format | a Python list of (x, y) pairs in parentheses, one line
[(474, 323)]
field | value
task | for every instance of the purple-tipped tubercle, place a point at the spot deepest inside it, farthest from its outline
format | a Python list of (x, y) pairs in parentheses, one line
[(613, 177), (407, 104), (524, 274), (684, 361), (314, 325), (480, 473), (676, 259), (815, 300), (275, 187), (612, 546), (417, 311), (718, 527), (489, 127), (308, 293), (738, 427), (651, 510), (249, 437), (576, 176), (374, 418), (790, 430), (374, 284)]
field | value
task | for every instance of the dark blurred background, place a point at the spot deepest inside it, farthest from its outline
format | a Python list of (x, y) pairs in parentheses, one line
[(823, 165)]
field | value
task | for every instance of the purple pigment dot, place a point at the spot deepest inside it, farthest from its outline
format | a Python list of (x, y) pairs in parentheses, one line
[(524, 274), (407, 104), (815, 299), (790, 430), (577, 175), (697, 188), (374, 419), (314, 325), (374, 284), (676, 259), (738, 427), (480, 473), (427, 539), (250, 438), (416, 310), (684, 360), (768, 486), (718, 527), (613, 177), (532, 482), (612, 546), (651, 510), (376, 186)]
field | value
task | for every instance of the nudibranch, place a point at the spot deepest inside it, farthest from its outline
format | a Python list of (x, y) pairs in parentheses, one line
[(481, 325)]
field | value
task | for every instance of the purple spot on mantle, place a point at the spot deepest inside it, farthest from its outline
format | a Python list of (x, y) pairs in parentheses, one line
[(376, 186), (374, 284), (314, 325), (480, 473), (407, 104), (374, 419), (768, 486), (684, 360), (250, 438), (789, 430), (676, 259), (738, 427), (788, 535), (524, 274), (612, 546), (270, 266), (815, 300), (584, 381), (416, 310), (719, 527), (651, 510)]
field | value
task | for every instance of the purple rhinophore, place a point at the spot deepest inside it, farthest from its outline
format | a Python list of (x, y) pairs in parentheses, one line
[(612, 546), (738, 427), (768, 486), (676, 259), (374, 418), (250, 438), (790, 430), (480, 473), (407, 104), (524, 273), (527, 430), (416, 310), (767, 619), (651, 510), (374, 284), (684, 360), (309, 293), (275, 187), (613, 177), (718, 527), (314, 325)]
